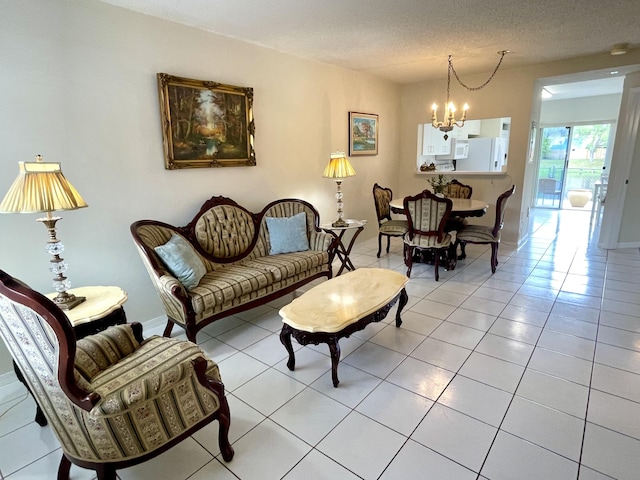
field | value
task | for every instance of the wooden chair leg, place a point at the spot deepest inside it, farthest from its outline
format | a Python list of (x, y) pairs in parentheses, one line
[(64, 468), (106, 472), (223, 415), (494, 257), (224, 419), (167, 329), (463, 254), (379, 244), (408, 259), (436, 262), (388, 242)]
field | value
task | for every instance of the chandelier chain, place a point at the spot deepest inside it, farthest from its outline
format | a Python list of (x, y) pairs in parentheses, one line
[(502, 54)]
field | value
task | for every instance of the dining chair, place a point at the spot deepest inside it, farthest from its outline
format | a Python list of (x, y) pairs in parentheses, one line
[(455, 189), (549, 186), (112, 399), (481, 234), (427, 215), (387, 226)]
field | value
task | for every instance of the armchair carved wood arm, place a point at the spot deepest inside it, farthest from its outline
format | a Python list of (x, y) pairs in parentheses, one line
[(112, 399)]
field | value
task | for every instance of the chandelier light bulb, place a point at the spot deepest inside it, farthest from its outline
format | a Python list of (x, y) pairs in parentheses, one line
[(449, 121)]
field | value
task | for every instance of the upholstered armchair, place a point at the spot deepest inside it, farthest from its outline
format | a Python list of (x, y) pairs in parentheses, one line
[(428, 214), (387, 226), (112, 399)]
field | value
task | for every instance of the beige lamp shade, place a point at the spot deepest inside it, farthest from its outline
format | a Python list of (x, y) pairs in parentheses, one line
[(40, 187), (338, 167)]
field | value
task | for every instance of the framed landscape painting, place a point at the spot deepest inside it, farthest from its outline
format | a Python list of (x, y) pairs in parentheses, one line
[(205, 124), (363, 134)]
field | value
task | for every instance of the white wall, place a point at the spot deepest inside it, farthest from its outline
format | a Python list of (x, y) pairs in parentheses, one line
[(78, 85), (588, 109)]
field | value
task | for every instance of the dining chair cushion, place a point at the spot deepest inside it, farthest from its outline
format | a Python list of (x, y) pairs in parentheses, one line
[(478, 234), (430, 241), (394, 227)]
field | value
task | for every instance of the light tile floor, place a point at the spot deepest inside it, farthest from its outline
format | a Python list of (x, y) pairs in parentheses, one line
[(531, 373)]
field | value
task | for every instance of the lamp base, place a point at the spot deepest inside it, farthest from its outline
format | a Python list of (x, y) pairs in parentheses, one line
[(67, 301), (340, 223)]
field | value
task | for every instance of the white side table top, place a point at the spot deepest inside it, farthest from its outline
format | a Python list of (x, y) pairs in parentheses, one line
[(350, 224), (100, 301), (343, 300)]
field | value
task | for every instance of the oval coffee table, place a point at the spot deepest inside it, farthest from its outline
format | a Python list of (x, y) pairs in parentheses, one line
[(339, 307)]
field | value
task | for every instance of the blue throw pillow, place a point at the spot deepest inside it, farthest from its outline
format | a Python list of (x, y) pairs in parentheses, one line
[(182, 260), (288, 234)]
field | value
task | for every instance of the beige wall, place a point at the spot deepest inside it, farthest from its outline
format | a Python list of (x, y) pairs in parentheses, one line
[(78, 85)]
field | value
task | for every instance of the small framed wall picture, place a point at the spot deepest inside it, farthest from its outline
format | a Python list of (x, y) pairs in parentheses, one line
[(363, 134)]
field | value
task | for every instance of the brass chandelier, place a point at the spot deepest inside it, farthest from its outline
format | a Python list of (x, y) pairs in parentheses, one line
[(449, 121)]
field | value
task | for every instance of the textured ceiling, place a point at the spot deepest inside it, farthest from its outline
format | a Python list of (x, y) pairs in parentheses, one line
[(408, 41)]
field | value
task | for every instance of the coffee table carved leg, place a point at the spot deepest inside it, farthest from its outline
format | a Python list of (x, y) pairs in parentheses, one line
[(404, 298), (334, 349), (285, 339)]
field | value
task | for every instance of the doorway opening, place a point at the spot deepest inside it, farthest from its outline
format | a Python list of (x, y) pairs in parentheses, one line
[(571, 162)]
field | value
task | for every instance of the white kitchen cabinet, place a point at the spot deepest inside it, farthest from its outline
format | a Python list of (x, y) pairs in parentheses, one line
[(471, 128), (433, 142)]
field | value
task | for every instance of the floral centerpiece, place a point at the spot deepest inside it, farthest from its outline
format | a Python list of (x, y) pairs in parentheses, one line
[(439, 183)]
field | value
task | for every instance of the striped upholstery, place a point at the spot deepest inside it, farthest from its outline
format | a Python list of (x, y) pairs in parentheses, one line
[(233, 286), (394, 227), (424, 241), (479, 234), (98, 352), (149, 396), (234, 247), (428, 214)]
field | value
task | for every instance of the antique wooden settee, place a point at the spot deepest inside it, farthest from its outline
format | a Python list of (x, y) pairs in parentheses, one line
[(247, 259)]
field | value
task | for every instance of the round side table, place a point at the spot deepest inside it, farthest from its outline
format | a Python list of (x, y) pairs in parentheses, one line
[(101, 309)]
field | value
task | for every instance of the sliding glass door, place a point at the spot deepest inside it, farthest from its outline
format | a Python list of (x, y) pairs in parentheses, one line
[(571, 159)]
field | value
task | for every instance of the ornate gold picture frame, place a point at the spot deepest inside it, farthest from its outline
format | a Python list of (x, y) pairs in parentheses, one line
[(205, 124)]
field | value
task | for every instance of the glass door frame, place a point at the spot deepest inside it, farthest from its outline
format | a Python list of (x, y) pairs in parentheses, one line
[(586, 176), (554, 188)]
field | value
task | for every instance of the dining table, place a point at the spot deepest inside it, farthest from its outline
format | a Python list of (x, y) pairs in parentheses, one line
[(462, 207)]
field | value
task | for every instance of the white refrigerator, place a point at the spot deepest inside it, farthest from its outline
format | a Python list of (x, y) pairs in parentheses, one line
[(485, 155)]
